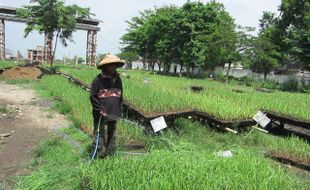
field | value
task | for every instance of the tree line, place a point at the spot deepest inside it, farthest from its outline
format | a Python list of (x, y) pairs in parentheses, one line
[(204, 35)]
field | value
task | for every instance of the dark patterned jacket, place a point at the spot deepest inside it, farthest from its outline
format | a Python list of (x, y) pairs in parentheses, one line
[(106, 95)]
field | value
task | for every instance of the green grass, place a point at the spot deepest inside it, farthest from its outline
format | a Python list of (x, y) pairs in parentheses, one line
[(71, 96), (4, 64), (4, 109), (187, 170), (76, 101), (55, 164), (19, 81), (164, 94), (72, 100), (184, 157), (173, 162)]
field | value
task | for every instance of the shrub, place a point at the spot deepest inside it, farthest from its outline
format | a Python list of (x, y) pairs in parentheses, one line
[(290, 85), (270, 84)]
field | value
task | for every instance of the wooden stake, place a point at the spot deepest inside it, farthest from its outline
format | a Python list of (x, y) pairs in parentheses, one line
[(230, 130), (260, 129)]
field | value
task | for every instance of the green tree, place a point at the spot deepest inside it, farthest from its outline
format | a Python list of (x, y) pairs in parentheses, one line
[(225, 43), (100, 56), (195, 35), (245, 45), (294, 30), (129, 57), (264, 54), (193, 26), (162, 31), (80, 60), (52, 18), (137, 37)]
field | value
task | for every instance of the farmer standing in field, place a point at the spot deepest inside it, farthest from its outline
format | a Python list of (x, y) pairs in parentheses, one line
[(106, 96)]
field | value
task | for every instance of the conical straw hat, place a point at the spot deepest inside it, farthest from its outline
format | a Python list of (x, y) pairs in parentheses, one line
[(111, 59)]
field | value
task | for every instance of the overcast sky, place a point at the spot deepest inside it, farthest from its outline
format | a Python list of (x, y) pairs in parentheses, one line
[(114, 14)]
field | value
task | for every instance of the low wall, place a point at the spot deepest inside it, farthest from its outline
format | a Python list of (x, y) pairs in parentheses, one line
[(280, 78)]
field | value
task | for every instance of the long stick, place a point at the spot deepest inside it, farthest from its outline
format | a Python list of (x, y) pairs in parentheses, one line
[(260, 129), (230, 130)]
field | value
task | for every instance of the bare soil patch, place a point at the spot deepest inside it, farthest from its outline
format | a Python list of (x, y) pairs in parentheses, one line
[(25, 120)]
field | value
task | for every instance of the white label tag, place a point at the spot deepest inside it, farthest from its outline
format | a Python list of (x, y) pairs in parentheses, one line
[(226, 154), (158, 124), (146, 81), (261, 119)]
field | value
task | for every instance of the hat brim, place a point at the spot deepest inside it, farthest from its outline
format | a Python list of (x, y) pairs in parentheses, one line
[(117, 63)]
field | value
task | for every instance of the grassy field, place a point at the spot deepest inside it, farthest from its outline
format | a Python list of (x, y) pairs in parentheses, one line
[(164, 94), (159, 169), (184, 157), (76, 101), (4, 64)]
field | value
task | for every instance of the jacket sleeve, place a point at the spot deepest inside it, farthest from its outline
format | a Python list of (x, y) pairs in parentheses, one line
[(93, 96)]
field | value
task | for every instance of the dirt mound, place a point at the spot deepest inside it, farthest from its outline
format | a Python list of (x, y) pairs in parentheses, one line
[(22, 73)]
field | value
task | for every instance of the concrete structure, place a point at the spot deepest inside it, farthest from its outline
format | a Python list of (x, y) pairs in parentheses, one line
[(90, 25), (91, 47), (2, 40), (280, 78), (289, 68), (19, 56), (36, 55), (233, 66)]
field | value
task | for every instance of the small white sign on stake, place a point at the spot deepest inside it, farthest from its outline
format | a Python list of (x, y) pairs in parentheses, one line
[(261, 119), (146, 81), (158, 124)]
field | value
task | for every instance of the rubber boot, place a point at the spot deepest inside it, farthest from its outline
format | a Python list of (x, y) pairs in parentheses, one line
[(102, 152)]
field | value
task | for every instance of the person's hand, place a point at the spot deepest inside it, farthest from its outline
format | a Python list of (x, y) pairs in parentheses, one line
[(103, 113)]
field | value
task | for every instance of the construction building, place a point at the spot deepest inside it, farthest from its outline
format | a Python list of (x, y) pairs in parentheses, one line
[(36, 55)]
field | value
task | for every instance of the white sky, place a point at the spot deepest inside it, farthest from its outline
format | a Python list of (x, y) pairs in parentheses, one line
[(114, 14)]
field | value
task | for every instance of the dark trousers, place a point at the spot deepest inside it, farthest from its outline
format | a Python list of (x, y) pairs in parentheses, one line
[(107, 138)]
